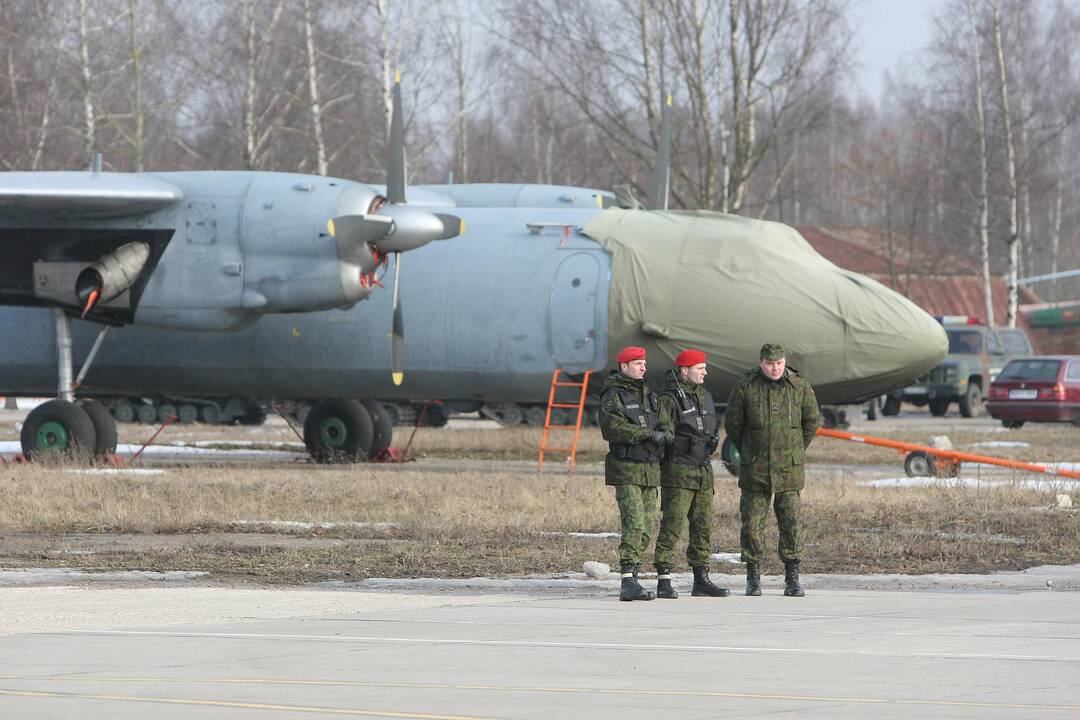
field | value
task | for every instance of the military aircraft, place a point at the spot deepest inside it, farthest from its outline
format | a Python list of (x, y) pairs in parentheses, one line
[(269, 285)]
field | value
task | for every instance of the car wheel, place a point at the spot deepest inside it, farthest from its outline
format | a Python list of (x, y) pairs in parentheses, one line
[(1013, 424), (891, 406), (919, 464), (971, 404), (939, 408)]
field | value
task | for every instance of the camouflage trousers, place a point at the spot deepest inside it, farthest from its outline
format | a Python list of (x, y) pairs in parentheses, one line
[(637, 516), (677, 506), (753, 508)]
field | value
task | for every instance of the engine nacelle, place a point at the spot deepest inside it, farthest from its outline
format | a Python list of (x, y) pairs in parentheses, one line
[(113, 273)]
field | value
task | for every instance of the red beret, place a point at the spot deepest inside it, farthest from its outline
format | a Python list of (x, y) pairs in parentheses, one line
[(630, 353), (688, 358)]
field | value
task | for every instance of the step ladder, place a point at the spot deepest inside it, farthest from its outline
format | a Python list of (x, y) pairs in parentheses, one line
[(553, 404)]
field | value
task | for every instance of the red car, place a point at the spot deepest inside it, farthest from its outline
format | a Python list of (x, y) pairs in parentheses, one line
[(1037, 389)]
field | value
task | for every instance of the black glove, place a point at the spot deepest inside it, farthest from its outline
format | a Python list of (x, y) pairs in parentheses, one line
[(658, 437)]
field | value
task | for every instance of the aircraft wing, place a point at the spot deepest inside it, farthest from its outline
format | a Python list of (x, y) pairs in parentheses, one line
[(83, 194)]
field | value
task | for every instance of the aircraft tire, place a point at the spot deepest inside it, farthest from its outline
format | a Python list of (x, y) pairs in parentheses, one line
[(437, 416), (146, 413), (166, 412), (124, 412), (382, 426), (535, 416), (256, 415), (210, 414), (729, 455), (187, 414), (104, 427), (56, 429), (338, 431)]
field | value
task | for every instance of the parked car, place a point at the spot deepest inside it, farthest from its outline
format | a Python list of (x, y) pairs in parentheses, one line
[(1037, 389), (977, 353)]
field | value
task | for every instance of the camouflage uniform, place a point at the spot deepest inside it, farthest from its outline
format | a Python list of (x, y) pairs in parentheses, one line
[(629, 412), (686, 477), (771, 423)]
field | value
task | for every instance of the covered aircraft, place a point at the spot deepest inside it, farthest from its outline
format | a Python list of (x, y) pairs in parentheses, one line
[(270, 285)]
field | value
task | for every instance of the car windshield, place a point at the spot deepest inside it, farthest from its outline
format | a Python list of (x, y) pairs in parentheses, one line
[(1014, 341), (1031, 370), (964, 341)]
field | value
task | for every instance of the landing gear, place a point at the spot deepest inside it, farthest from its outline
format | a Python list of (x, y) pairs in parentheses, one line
[(382, 427), (60, 428), (338, 431)]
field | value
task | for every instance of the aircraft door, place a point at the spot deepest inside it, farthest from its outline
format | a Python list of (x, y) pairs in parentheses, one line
[(574, 343)]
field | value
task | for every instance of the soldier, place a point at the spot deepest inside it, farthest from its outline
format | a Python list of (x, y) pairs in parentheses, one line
[(771, 418), (686, 477), (631, 422)]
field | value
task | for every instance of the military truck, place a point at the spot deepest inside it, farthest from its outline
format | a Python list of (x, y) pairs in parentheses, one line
[(977, 353)]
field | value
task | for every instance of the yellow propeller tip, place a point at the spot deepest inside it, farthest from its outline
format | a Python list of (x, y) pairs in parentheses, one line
[(462, 230), (398, 378), (330, 227), (669, 100), (397, 76)]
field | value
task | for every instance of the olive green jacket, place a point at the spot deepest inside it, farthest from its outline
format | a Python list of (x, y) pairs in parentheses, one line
[(772, 423), (616, 427), (674, 474)]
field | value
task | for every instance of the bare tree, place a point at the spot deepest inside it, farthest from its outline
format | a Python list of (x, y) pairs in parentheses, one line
[(1011, 239)]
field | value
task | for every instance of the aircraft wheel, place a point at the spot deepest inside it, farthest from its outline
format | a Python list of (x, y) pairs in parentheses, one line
[(382, 426), (146, 413), (57, 428), (166, 412), (124, 412), (437, 416), (891, 406), (210, 414), (187, 414), (939, 408), (256, 415), (729, 455), (338, 431), (535, 416), (1017, 424), (971, 404), (920, 464), (104, 427)]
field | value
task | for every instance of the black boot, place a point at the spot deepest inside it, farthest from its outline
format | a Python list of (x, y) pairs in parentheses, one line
[(631, 588), (753, 579), (704, 587), (792, 588), (663, 584)]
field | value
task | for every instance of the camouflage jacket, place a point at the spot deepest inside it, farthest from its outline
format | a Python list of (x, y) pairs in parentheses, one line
[(674, 474), (772, 424), (622, 432)]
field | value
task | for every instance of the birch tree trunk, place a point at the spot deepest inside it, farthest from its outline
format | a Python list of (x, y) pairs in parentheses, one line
[(984, 202), (313, 89), (462, 78), (136, 89), (89, 122), (1012, 239)]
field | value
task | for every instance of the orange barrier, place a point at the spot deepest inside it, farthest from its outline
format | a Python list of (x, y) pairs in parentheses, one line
[(953, 458)]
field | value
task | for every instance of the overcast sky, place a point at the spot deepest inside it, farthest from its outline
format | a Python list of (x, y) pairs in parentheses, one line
[(888, 33)]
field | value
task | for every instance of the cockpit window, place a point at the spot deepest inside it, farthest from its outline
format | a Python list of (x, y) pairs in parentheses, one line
[(964, 341)]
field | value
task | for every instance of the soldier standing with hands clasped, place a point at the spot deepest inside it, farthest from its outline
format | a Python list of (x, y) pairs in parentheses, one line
[(772, 416), (632, 423), (686, 477)]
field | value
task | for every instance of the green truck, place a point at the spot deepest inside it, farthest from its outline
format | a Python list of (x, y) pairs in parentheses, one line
[(977, 353)]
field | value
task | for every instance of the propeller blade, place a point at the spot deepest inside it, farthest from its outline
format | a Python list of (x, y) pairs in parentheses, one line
[(395, 166), (353, 232), (661, 174), (452, 226), (397, 335)]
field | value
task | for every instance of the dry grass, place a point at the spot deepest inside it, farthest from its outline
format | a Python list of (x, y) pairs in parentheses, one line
[(463, 524)]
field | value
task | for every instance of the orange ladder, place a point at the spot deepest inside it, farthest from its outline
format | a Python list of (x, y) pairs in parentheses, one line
[(576, 427)]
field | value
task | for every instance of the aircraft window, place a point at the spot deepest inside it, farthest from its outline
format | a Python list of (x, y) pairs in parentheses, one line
[(966, 341), (1014, 341), (1074, 370), (576, 282), (1031, 370)]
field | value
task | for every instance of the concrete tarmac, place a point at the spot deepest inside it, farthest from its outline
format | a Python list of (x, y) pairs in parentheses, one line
[(107, 652)]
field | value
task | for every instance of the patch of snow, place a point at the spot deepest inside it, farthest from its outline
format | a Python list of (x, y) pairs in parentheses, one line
[(594, 535), (44, 576), (1001, 444), (115, 471), (977, 483), (734, 558), (301, 525), (596, 570)]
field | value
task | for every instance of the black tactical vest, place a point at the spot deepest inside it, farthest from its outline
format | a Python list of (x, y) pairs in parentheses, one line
[(646, 417), (694, 429)]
